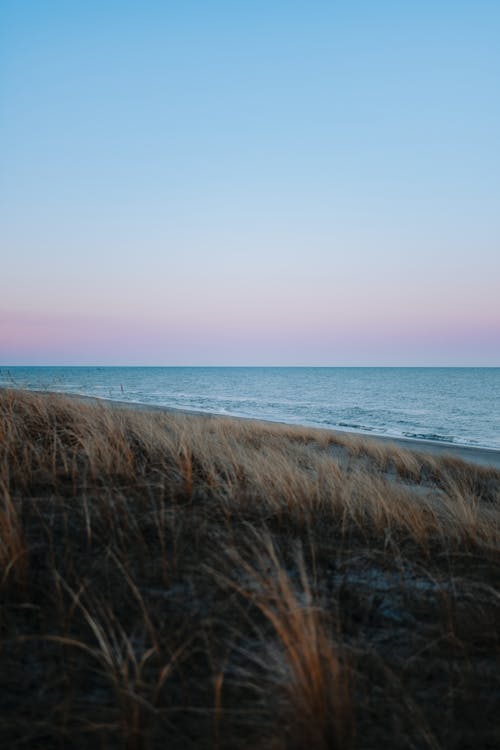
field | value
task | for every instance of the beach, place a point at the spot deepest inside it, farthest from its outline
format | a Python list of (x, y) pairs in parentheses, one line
[(210, 582), (450, 407), (488, 457)]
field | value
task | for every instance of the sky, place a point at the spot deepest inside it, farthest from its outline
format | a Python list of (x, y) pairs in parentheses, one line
[(250, 183)]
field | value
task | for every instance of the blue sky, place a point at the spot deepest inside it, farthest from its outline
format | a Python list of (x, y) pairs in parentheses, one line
[(250, 183)]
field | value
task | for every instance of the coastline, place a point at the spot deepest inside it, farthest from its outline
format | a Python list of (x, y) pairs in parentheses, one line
[(488, 457), (293, 567)]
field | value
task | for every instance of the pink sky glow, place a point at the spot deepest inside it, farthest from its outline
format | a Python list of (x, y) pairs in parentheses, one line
[(45, 339)]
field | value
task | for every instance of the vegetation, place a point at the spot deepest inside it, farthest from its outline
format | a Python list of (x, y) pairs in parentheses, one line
[(190, 582)]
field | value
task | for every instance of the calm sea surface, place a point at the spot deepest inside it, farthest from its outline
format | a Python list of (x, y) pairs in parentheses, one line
[(450, 405)]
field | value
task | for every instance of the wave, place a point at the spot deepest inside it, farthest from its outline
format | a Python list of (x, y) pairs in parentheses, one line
[(354, 426), (430, 436)]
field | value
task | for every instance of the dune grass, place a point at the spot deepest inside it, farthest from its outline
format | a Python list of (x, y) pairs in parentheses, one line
[(191, 582)]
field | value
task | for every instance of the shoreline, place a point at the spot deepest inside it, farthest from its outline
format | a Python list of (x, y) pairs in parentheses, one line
[(487, 457), (289, 576)]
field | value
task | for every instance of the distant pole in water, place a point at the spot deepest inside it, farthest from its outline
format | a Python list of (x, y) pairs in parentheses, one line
[(121, 386)]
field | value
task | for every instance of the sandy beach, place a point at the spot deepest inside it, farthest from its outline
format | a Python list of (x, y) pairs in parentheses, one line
[(471, 454), (173, 579)]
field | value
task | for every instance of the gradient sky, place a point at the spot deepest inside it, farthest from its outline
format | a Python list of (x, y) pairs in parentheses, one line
[(295, 183)]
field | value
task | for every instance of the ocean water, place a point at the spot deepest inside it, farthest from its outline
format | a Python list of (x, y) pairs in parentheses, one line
[(459, 406)]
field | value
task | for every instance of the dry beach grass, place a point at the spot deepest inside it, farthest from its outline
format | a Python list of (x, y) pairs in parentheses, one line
[(213, 583)]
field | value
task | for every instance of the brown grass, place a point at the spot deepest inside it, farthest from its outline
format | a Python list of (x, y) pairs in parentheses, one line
[(213, 583)]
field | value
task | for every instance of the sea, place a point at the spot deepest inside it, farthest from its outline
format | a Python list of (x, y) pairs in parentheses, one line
[(456, 406)]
